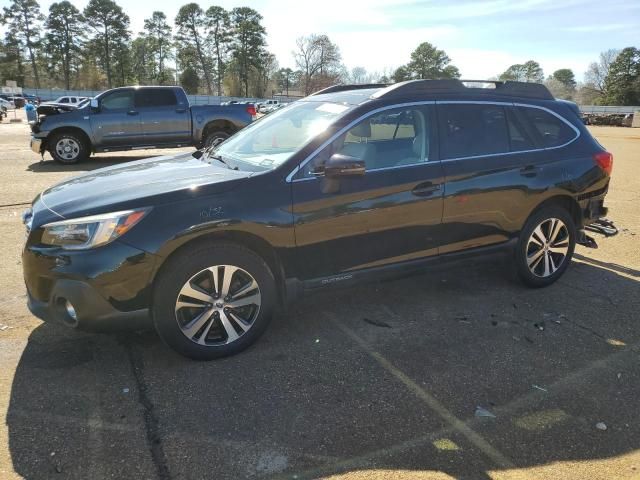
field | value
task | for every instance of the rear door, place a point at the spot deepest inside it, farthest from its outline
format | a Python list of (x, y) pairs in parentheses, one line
[(492, 166), (165, 120), (116, 124), (389, 215)]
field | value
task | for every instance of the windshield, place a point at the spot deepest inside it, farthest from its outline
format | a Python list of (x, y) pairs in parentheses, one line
[(272, 140)]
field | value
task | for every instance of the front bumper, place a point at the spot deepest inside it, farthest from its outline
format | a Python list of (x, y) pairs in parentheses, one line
[(108, 287), (36, 145), (91, 311)]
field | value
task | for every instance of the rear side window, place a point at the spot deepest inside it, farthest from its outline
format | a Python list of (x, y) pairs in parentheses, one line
[(550, 130), (472, 130), (156, 97), (518, 136)]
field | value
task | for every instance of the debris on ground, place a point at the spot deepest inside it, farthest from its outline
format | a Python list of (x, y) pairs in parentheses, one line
[(537, 387), (483, 412), (377, 323), (125, 390), (539, 326), (601, 426), (317, 340), (619, 375), (4, 327)]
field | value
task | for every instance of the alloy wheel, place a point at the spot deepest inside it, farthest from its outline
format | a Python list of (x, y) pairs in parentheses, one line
[(67, 148), (218, 305), (547, 247)]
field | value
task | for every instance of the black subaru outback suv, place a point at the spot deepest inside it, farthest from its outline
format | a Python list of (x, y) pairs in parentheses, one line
[(345, 185)]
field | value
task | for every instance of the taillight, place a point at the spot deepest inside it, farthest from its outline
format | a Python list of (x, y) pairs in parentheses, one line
[(251, 110), (604, 161)]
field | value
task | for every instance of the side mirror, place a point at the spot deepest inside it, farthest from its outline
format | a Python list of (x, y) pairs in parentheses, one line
[(94, 103), (340, 165)]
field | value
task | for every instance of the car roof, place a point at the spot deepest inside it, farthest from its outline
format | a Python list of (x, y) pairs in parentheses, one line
[(351, 97), (448, 89)]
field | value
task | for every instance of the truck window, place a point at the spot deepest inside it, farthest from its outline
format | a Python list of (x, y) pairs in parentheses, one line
[(118, 100), (155, 97)]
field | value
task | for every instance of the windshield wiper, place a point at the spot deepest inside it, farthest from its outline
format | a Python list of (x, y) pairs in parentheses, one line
[(219, 158)]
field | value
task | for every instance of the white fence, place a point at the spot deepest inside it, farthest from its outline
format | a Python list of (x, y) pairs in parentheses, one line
[(606, 109), (48, 94)]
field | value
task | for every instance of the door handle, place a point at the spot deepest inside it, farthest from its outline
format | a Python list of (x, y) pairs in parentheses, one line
[(529, 171), (132, 112), (425, 189)]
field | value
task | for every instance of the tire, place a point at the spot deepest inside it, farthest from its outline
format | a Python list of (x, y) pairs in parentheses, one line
[(215, 138), (205, 327), (539, 266), (68, 148)]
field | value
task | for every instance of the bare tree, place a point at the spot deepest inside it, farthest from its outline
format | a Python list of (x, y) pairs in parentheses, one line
[(597, 73), (319, 60)]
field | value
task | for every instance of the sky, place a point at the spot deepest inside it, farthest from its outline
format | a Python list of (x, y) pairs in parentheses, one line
[(482, 37)]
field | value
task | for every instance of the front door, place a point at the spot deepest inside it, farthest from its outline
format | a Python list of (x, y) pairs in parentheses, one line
[(388, 215), (116, 124)]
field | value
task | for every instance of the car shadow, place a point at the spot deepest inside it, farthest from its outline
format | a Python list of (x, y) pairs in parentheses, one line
[(93, 163), (612, 266), (308, 401)]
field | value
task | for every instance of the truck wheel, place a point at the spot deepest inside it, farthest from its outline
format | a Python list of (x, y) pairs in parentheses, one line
[(213, 301), (215, 138), (68, 148), (545, 247)]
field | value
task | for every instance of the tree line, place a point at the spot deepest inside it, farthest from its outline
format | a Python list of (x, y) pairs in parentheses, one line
[(223, 52), (207, 51)]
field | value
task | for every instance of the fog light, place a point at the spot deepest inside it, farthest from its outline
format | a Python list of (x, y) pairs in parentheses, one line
[(70, 310)]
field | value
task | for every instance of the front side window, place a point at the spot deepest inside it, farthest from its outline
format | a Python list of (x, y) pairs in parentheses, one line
[(272, 140), (469, 130), (392, 138), (64, 100), (121, 100), (551, 131)]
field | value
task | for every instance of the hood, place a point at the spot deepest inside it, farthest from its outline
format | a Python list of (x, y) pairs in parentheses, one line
[(54, 108), (139, 184)]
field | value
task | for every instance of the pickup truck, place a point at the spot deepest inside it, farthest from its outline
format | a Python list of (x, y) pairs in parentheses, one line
[(130, 118)]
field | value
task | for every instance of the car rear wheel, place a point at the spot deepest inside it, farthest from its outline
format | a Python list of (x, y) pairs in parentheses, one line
[(545, 247), (214, 139), (214, 301), (68, 148)]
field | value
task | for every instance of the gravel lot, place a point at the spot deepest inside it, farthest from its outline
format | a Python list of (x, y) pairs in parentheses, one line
[(379, 381)]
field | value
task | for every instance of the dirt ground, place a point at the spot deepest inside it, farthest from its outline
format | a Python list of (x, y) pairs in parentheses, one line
[(389, 380)]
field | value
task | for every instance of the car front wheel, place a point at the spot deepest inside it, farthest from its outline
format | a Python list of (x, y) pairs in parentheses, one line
[(213, 301), (545, 247), (68, 148)]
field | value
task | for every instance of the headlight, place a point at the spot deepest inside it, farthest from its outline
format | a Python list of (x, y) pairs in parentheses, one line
[(89, 232)]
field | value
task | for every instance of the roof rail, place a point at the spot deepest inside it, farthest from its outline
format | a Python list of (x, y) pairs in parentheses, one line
[(343, 88), (507, 88)]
